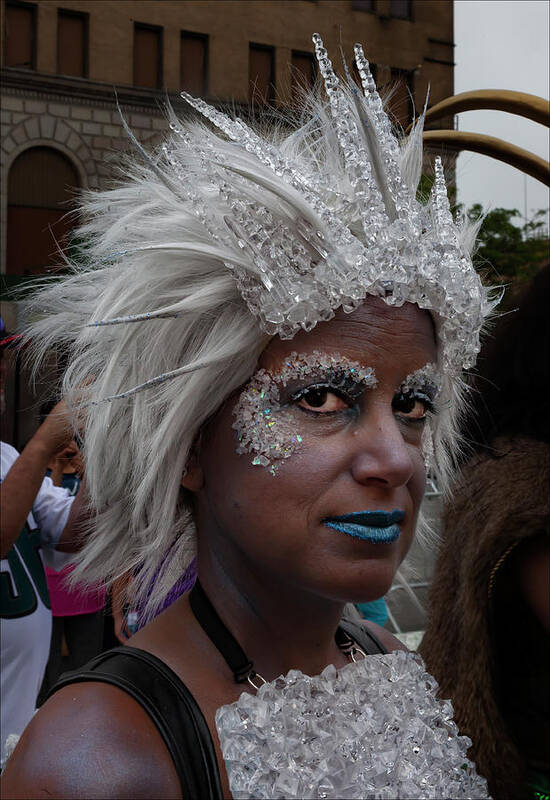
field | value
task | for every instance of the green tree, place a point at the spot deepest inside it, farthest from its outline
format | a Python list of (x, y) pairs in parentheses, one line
[(508, 253)]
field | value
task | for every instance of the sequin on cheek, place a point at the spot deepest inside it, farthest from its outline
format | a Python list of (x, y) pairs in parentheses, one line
[(267, 428)]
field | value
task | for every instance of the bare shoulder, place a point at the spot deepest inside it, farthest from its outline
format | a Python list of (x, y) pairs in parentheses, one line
[(386, 638), (90, 740)]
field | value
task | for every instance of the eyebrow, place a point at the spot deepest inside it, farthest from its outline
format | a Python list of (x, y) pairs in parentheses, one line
[(303, 365), (426, 376)]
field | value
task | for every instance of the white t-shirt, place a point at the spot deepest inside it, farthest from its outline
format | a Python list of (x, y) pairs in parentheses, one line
[(25, 616)]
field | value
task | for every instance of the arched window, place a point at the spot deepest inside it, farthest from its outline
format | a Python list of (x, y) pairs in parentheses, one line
[(41, 186)]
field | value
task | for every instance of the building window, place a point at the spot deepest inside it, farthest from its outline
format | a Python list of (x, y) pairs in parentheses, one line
[(363, 5), (72, 43), (303, 73), (402, 9), (147, 55), (401, 96), (261, 73), (41, 184), (20, 41), (194, 63)]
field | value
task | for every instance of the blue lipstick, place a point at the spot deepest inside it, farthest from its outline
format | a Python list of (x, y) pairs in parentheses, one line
[(381, 527)]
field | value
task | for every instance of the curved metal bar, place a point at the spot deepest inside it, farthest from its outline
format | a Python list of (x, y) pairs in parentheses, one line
[(517, 157), (524, 105)]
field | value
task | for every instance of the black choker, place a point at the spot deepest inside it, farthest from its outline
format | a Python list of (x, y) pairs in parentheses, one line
[(237, 660)]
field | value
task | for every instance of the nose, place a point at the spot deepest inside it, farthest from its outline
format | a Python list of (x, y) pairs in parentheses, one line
[(380, 455)]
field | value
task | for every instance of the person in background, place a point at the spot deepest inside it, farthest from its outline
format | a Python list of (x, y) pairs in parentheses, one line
[(488, 635), (34, 514), (77, 625)]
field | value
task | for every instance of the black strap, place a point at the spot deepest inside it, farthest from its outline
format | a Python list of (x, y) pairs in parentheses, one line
[(207, 617), (171, 707), (347, 636), (366, 640)]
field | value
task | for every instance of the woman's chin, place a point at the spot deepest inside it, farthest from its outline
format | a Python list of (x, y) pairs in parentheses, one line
[(359, 585)]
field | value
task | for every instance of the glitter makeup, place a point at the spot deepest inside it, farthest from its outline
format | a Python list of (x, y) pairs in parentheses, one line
[(425, 385), (425, 381), (266, 426)]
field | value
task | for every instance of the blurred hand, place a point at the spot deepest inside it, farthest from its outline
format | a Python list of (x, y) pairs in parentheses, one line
[(68, 453), (66, 460), (66, 457), (77, 463), (24, 479), (56, 434)]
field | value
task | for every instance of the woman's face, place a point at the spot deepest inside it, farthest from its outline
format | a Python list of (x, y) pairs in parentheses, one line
[(355, 446)]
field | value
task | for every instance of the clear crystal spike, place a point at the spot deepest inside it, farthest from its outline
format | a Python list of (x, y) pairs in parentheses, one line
[(220, 120), (358, 165), (385, 132), (441, 206), (385, 139)]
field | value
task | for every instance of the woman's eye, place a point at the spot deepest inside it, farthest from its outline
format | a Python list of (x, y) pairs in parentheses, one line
[(411, 406), (321, 400)]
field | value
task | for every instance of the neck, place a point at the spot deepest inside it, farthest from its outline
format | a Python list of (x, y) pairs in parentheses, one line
[(278, 625)]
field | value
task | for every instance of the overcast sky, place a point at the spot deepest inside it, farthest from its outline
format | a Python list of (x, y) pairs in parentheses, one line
[(501, 44)]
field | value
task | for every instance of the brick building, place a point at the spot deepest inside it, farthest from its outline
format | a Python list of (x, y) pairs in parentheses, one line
[(63, 59)]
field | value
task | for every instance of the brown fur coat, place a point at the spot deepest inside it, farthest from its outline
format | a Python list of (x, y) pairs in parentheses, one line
[(498, 501)]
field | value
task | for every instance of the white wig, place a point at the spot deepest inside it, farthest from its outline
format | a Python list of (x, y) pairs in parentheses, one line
[(146, 252)]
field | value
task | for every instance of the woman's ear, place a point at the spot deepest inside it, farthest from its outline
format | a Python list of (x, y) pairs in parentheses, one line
[(193, 475)]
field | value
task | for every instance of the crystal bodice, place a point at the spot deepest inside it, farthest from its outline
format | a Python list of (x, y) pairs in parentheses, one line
[(373, 729)]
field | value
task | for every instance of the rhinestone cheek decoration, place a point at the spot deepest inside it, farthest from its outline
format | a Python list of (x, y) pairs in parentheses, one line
[(268, 429), (373, 729)]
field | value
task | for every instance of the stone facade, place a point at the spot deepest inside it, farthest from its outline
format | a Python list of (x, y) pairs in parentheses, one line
[(88, 132), (424, 42), (79, 116)]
